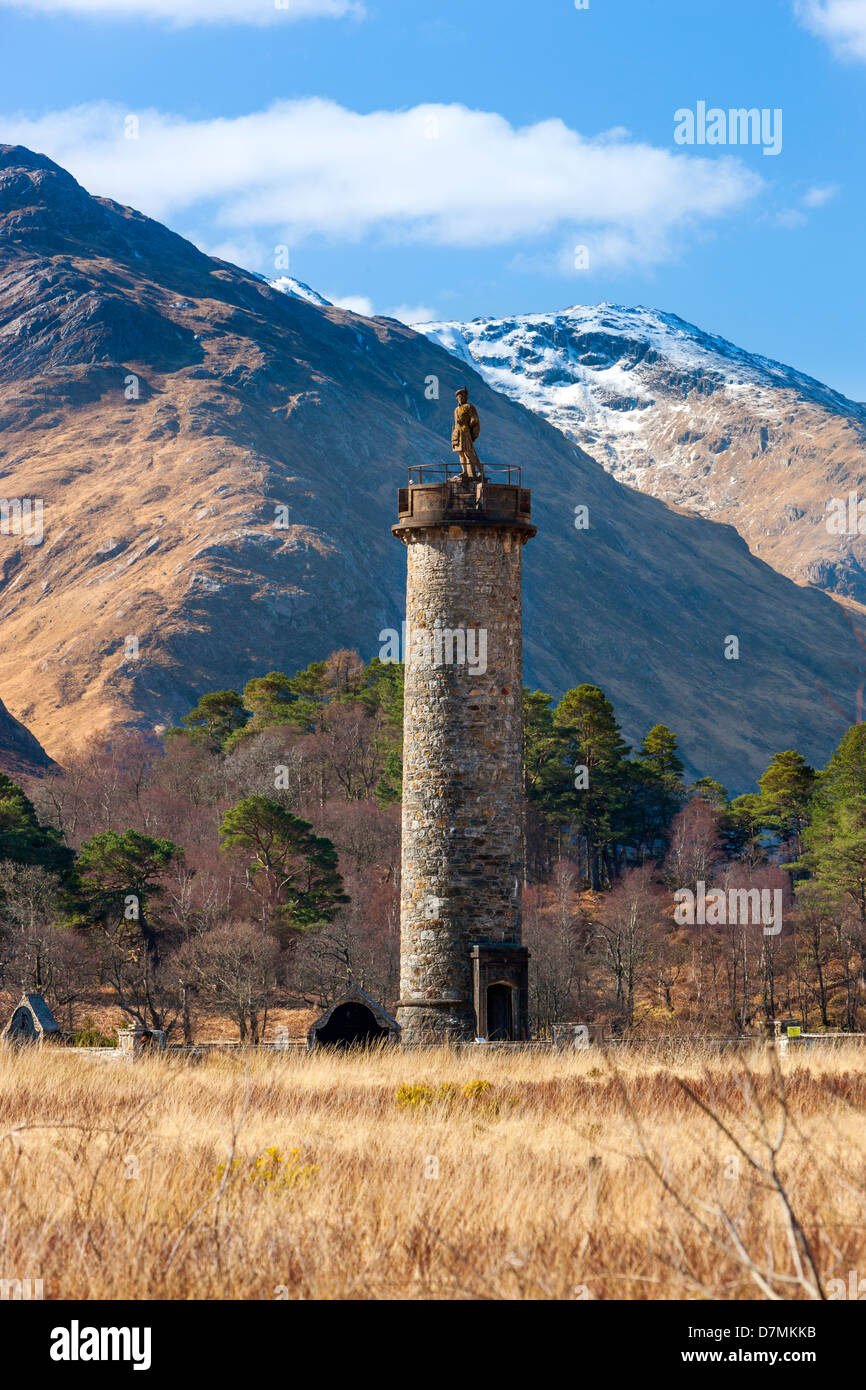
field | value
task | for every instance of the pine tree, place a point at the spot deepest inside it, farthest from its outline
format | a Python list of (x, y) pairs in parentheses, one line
[(786, 791), (270, 699), (23, 840), (835, 850), (120, 872), (293, 871), (657, 788), (216, 716), (595, 804)]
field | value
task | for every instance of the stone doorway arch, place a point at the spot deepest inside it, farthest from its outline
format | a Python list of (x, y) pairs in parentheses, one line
[(21, 1029)]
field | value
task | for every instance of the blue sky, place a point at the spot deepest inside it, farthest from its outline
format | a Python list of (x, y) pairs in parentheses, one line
[(446, 160)]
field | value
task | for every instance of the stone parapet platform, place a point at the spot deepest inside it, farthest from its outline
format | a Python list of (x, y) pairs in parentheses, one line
[(452, 503)]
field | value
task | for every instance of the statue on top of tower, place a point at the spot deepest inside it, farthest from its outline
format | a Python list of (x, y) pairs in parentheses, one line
[(467, 428)]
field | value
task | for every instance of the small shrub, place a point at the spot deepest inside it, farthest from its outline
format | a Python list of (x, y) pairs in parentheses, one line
[(88, 1035), (272, 1169), (482, 1096), (479, 1094), (413, 1097), (477, 1090)]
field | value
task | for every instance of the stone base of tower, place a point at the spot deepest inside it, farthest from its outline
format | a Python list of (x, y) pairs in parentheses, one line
[(431, 1023), (497, 1010)]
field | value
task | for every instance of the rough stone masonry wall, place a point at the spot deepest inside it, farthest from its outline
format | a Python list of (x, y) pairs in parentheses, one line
[(462, 866)]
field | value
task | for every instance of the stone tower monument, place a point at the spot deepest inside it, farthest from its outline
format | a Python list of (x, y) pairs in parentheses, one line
[(463, 970)]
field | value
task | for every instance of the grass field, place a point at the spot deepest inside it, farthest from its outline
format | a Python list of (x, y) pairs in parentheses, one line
[(434, 1175)]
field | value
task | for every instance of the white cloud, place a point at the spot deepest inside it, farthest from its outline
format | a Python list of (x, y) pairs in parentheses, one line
[(815, 197), (820, 194), (355, 303), (311, 168), (243, 251), (841, 22), (411, 314), (181, 13), (791, 218)]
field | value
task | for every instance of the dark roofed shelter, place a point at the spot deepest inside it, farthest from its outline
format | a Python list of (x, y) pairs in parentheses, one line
[(353, 1020)]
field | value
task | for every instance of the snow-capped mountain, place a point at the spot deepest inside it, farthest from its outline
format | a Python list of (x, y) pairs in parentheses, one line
[(296, 289), (692, 419)]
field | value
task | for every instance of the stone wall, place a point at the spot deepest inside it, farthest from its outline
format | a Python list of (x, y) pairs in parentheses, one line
[(462, 864)]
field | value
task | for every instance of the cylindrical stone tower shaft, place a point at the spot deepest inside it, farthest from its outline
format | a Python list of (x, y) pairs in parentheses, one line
[(462, 970)]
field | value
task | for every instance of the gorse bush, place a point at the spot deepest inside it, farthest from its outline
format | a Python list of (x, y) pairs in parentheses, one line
[(272, 1169), (448, 1093), (413, 1097)]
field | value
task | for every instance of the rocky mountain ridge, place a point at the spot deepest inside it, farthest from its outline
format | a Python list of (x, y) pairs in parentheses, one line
[(693, 419)]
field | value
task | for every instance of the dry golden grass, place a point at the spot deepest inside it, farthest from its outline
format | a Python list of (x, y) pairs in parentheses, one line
[(571, 1175)]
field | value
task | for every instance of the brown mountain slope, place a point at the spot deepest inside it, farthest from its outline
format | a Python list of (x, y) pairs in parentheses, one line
[(21, 755), (162, 573)]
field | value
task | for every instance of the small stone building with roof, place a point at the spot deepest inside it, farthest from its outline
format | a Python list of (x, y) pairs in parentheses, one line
[(32, 1022)]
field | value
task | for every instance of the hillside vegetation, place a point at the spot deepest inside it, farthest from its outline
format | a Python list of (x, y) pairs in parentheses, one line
[(248, 862)]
